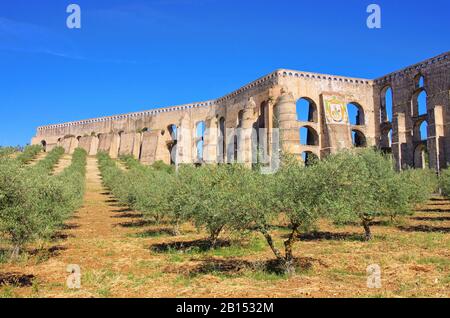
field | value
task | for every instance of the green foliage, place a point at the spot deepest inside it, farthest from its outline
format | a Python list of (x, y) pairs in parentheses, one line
[(161, 166), (214, 191), (131, 162), (8, 151), (156, 193), (362, 185), (113, 178), (33, 204), (444, 181), (29, 153), (261, 199), (358, 185), (420, 184)]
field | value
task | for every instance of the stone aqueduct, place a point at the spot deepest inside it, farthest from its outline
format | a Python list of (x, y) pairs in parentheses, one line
[(274, 101)]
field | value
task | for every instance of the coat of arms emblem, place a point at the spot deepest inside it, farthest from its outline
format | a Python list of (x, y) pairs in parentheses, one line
[(336, 111)]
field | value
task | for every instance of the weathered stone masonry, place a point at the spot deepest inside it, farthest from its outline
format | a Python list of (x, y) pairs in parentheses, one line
[(272, 102)]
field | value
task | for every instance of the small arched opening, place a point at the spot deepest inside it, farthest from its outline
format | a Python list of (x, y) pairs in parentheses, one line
[(419, 81), (240, 119), (421, 131), (421, 156), (419, 98), (262, 133), (276, 117), (358, 139), (172, 129), (221, 141), (306, 110), (309, 158), (172, 143), (386, 139), (262, 116), (356, 114), (200, 136), (422, 103), (309, 136), (44, 145), (387, 101)]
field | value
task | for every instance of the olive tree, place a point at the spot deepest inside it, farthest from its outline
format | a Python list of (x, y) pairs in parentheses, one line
[(213, 196), (420, 185), (182, 198), (363, 185), (294, 191), (152, 190), (444, 182), (33, 205)]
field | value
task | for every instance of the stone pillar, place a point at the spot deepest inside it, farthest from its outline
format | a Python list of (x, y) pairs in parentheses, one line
[(94, 146), (73, 143), (66, 143), (150, 140), (85, 143), (435, 142), (287, 119), (126, 144), (137, 145), (246, 146), (210, 140), (400, 147), (114, 148), (105, 142), (184, 145)]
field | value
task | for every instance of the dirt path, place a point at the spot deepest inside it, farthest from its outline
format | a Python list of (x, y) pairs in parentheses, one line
[(38, 158), (62, 164), (96, 239)]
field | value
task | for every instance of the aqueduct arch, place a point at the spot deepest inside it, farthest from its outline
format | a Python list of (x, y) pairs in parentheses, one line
[(387, 111)]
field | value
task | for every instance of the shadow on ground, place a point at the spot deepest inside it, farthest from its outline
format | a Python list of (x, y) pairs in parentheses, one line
[(424, 228), (185, 246), (125, 215), (47, 252), (123, 210), (155, 232), (430, 218), (70, 226), (329, 236), (16, 280), (135, 224), (436, 210), (59, 236), (237, 266)]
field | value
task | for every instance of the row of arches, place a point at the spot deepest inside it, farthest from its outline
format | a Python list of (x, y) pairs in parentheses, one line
[(199, 141), (310, 137), (418, 101), (418, 112), (307, 111)]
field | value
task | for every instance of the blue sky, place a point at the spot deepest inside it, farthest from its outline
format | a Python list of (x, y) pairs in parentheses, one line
[(132, 55)]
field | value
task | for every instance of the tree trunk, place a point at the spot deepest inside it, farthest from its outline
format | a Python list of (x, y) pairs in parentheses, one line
[(269, 240), (368, 233), (15, 252), (289, 257), (215, 236), (176, 229)]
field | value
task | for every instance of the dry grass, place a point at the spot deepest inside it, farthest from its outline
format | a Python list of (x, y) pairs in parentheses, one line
[(121, 255)]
